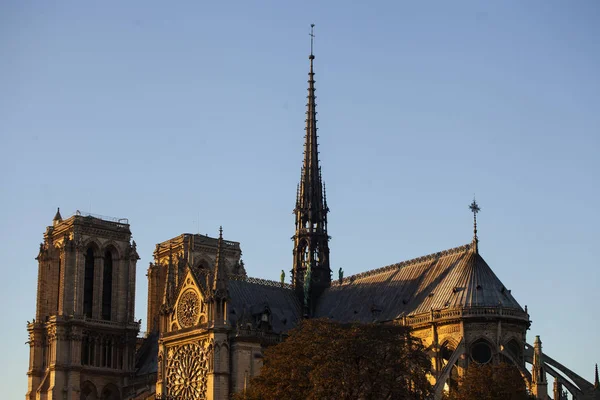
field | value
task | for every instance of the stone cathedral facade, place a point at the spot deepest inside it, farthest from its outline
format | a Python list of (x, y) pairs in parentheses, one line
[(208, 323)]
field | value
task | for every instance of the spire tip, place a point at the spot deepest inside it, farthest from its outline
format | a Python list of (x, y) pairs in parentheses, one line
[(474, 207), (312, 38)]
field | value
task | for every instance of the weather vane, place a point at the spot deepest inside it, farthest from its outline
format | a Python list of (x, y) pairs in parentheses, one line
[(474, 207), (312, 37)]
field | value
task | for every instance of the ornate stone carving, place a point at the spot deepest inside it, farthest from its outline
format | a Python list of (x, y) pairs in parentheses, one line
[(186, 372), (188, 309), (159, 362)]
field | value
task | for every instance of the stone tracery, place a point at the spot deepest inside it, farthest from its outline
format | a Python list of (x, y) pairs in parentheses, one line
[(188, 309), (186, 375)]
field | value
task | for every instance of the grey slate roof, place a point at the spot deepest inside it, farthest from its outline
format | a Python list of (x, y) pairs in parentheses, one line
[(146, 356), (250, 296), (454, 278)]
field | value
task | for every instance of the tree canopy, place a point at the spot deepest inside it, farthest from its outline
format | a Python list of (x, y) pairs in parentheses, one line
[(327, 360), (491, 382)]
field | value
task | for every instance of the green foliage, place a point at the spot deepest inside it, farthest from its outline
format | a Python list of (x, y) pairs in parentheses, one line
[(327, 360), (491, 382)]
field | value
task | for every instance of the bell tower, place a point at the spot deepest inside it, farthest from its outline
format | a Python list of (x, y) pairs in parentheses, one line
[(82, 340), (311, 273)]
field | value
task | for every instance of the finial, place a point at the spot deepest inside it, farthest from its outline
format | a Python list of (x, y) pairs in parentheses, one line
[(474, 207), (596, 379), (312, 38), (57, 217), (220, 232)]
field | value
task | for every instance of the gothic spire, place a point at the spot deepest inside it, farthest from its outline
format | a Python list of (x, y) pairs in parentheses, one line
[(310, 194), (311, 273), (220, 280), (596, 379), (170, 281)]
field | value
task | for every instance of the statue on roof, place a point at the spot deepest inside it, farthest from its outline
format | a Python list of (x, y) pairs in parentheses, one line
[(307, 279), (282, 277), (341, 274)]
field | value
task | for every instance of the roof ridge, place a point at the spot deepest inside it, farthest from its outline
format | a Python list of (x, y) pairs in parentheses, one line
[(260, 281), (402, 264)]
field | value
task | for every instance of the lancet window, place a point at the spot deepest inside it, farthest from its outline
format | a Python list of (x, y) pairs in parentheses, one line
[(88, 288), (107, 286)]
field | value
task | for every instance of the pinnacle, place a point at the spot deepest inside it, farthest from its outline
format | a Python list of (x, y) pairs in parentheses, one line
[(57, 216)]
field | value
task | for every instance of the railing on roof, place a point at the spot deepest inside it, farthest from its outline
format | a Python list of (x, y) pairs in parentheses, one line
[(468, 312), (122, 221), (260, 281), (134, 325)]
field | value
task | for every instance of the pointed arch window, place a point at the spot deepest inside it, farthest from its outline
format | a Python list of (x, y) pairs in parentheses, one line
[(88, 283), (107, 286)]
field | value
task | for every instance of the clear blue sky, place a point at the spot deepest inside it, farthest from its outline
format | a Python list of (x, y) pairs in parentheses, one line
[(192, 113)]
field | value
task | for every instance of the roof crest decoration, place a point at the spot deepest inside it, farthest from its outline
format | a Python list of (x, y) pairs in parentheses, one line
[(260, 281), (403, 264)]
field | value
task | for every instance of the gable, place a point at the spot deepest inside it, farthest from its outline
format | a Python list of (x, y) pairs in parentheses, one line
[(190, 308)]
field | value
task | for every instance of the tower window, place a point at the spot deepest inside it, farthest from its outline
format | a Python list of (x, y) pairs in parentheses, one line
[(88, 286), (107, 286)]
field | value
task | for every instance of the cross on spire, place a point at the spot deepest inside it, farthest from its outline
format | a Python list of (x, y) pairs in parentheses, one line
[(474, 207), (312, 38)]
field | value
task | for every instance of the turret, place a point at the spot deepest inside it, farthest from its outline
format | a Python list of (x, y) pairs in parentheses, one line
[(57, 218)]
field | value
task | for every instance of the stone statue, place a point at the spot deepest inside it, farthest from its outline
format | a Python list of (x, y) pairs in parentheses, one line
[(341, 274), (307, 279), (282, 277)]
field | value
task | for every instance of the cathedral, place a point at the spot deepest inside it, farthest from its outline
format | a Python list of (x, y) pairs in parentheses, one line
[(208, 323)]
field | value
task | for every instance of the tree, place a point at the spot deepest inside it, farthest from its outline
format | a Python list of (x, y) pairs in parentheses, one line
[(491, 382), (328, 360)]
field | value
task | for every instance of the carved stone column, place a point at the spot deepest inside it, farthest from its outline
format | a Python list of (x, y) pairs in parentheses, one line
[(133, 257), (78, 278)]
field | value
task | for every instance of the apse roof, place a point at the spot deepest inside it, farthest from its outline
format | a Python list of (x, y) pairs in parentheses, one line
[(454, 278)]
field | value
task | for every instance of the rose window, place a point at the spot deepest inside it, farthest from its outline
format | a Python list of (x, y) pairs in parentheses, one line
[(186, 372), (188, 309)]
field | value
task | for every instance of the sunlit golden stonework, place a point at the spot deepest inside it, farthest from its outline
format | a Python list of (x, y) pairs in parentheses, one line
[(188, 309), (208, 323), (187, 371)]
